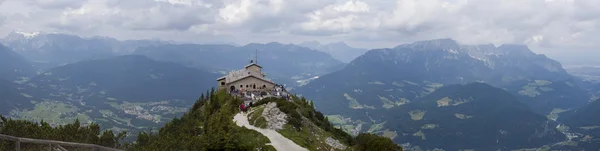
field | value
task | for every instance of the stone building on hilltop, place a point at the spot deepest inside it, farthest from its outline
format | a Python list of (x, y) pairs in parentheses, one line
[(251, 78)]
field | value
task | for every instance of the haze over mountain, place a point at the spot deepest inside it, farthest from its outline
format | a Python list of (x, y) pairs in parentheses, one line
[(339, 50), (129, 93), (384, 82), (14, 66), (430, 64), (50, 50), (434, 74), (287, 63)]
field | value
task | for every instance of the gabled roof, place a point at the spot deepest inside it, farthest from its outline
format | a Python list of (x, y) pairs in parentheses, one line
[(262, 79), (252, 64), (242, 74)]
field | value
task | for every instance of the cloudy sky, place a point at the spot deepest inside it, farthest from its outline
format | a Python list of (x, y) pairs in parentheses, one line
[(564, 29)]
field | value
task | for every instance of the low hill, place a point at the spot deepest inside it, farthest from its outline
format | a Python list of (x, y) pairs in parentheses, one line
[(209, 126), (472, 116)]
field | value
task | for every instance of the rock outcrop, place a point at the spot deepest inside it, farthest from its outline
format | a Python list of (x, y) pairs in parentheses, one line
[(274, 117)]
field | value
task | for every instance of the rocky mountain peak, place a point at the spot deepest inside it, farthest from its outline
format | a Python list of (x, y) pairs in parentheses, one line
[(516, 49), (436, 44)]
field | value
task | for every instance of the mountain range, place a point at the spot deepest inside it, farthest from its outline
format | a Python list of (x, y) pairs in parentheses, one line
[(431, 64), (339, 50), (130, 92), (284, 63), (370, 91), (425, 95), (51, 49)]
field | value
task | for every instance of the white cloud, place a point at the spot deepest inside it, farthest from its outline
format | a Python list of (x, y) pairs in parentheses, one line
[(543, 24)]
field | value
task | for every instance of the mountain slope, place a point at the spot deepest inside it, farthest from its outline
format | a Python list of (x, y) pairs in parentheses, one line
[(585, 116), (131, 77), (414, 70), (583, 125), (51, 50), (13, 66), (473, 116), (209, 124), (11, 98), (130, 93), (283, 63), (339, 50)]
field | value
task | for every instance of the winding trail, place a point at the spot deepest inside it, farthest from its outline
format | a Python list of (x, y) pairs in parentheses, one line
[(277, 140)]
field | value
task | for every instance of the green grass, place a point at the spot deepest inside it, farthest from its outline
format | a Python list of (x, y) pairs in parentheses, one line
[(336, 119), (429, 126), (542, 82), (376, 127), (529, 90), (376, 83), (386, 102), (546, 89), (253, 138), (353, 104), (126, 121), (417, 114), (114, 104), (26, 95), (32, 85), (589, 127), (101, 119), (299, 138), (532, 88), (22, 80), (107, 113), (305, 138), (348, 127), (562, 128), (411, 83), (402, 101), (256, 119), (444, 102), (398, 84), (420, 134), (390, 134), (462, 116), (261, 122), (430, 87), (554, 114), (53, 112)]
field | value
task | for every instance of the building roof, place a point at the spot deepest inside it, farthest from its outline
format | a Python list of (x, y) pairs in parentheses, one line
[(262, 79), (242, 74), (251, 64)]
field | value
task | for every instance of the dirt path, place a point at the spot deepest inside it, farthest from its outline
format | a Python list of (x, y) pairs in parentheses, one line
[(277, 140)]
